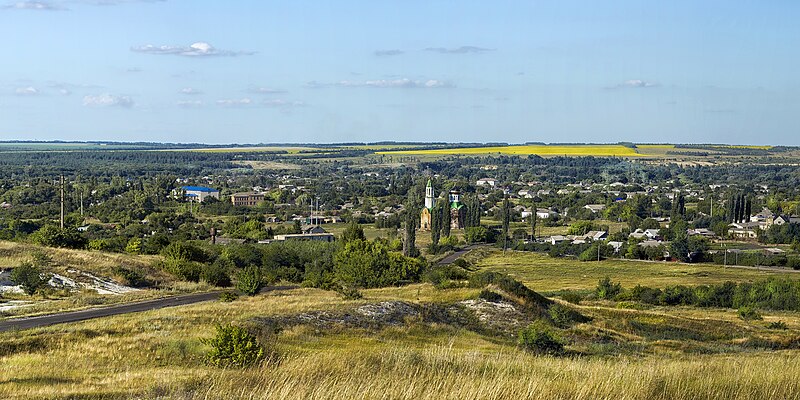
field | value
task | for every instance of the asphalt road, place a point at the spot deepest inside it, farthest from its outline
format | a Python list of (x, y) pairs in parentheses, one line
[(127, 308), (455, 256)]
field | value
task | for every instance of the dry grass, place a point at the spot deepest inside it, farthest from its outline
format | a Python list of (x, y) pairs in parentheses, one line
[(157, 354)]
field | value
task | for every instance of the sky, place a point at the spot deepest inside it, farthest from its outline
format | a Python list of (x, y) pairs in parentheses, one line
[(362, 71)]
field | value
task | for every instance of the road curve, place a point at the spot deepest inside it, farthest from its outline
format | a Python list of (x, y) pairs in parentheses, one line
[(127, 308), (451, 258)]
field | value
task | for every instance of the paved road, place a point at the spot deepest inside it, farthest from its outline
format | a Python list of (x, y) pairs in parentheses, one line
[(455, 256), (127, 308)]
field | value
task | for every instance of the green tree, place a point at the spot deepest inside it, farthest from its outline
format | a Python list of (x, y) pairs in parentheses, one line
[(410, 238), (353, 232), (31, 277), (250, 280)]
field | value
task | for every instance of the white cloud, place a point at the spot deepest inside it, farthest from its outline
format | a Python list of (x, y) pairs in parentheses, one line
[(108, 100), (33, 5), (190, 103), (277, 103), (264, 90), (190, 91), (243, 102), (199, 49), (634, 83), (64, 92), (26, 91), (391, 83)]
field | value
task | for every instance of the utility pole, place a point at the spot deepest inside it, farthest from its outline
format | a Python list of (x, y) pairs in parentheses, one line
[(712, 206), (62, 202)]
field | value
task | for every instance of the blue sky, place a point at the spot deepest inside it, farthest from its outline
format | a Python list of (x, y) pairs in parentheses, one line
[(337, 71)]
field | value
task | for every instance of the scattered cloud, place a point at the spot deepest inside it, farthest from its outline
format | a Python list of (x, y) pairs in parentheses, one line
[(458, 50), (405, 83), (190, 103), (243, 102), (277, 103), (64, 92), (386, 53), (134, 70), (190, 91), (264, 90), (634, 83), (199, 49), (108, 100), (33, 5), (26, 91)]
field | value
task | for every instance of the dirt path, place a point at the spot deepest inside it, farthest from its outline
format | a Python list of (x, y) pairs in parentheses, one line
[(455, 256)]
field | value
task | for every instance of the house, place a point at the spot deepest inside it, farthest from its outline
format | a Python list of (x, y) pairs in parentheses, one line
[(556, 239), (774, 251), (526, 193), (246, 198), (701, 232), (744, 230), (198, 193), (322, 237), (595, 208), (491, 182), (597, 235), (617, 246), (544, 213), (647, 234), (307, 230)]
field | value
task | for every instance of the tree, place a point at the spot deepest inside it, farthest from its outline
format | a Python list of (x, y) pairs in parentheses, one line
[(409, 242), (446, 218), (436, 226), (250, 280), (353, 232), (30, 277), (506, 220)]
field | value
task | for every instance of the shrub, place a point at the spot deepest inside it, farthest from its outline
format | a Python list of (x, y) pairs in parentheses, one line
[(130, 277), (30, 277), (348, 292), (563, 316), (644, 294), (490, 296), (233, 346), (540, 338), (249, 281), (749, 314), (227, 297), (216, 274), (572, 296), (606, 289), (183, 269), (780, 325)]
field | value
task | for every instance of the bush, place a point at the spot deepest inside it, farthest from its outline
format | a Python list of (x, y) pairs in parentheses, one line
[(250, 281), (130, 277), (348, 292), (749, 314), (563, 316), (30, 277), (490, 296), (227, 297), (606, 289), (183, 269), (216, 274), (572, 296), (779, 325), (540, 338), (233, 347)]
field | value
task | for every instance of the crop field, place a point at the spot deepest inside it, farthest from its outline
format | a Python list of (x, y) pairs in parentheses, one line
[(542, 150), (264, 149)]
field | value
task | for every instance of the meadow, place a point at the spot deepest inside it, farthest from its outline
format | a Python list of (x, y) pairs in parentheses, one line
[(695, 354)]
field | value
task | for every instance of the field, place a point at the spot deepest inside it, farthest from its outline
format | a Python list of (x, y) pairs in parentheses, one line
[(543, 150), (543, 273), (158, 354)]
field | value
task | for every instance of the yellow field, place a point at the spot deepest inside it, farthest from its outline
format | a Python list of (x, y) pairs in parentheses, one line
[(542, 150), (743, 147)]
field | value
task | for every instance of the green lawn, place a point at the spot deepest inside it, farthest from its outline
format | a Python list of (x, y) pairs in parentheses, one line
[(543, 273)]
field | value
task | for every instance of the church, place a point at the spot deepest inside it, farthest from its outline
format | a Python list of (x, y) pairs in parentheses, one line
[(457, 211)]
